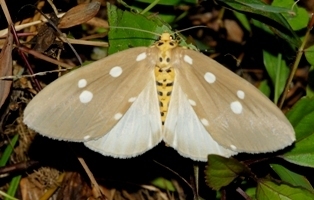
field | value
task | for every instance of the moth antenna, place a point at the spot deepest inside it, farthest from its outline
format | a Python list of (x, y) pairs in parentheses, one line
[(135, 29), (193, 27)]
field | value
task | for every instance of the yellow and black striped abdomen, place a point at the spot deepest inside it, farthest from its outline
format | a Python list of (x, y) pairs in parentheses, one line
[(164, 83)]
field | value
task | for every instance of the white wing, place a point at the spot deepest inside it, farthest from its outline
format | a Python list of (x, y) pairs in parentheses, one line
[(138, 130), (184, 131)]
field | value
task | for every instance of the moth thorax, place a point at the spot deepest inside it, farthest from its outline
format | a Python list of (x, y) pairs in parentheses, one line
[(164, 82), (164, 59)]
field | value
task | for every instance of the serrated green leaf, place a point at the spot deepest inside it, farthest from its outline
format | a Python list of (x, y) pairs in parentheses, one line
[(301, 117), (222, 171), (278, 72), (291, 177), (268, 190), (121, 39)]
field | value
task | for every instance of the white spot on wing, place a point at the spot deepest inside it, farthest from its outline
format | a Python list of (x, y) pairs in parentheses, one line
[(132, 99), (188, 59), (233, 147), (82, 83), (86, 137), (115, 71), (236, 107), (240, 94), (210, 77), (117, 116), (204, 122), (192, 102), (141, 56), (86, 96)]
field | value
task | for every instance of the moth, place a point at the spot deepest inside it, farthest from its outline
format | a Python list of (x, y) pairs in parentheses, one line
[(128, 102)]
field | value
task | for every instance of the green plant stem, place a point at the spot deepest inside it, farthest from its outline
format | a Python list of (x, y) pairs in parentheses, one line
[(150, 6), (294, 68)]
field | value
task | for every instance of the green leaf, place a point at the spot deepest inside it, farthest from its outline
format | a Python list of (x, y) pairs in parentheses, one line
[(291, 177), (122, 38), (222, 171), (264, 87), (301, 117), (244, 21), (8, 151), (269, 15), (14, 184), (267, 190), (7, 196), (309, 54), (164, 184), (297, 18), (310, 84), (278, 71)]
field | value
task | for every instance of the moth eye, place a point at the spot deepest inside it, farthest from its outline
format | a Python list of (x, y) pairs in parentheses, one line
[(168, 59), (160, 59), (171, 44), (160, 43)]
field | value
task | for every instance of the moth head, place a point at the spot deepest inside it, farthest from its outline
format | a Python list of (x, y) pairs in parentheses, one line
[(165, 45)]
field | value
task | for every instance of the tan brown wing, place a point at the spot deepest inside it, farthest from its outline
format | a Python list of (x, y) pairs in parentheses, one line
[(87, 103), (235, 113)]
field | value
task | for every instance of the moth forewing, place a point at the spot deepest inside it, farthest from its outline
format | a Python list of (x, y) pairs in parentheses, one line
[(236, 114), (88, 102)]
